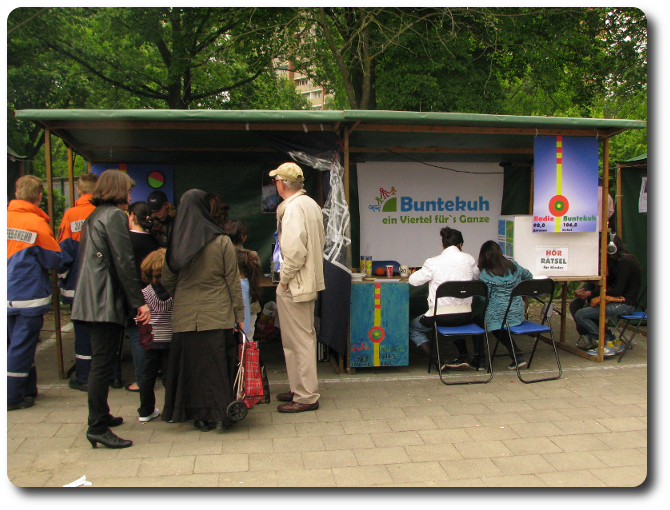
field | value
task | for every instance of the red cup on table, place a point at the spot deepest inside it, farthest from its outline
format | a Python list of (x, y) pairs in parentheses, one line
[(389, 270)]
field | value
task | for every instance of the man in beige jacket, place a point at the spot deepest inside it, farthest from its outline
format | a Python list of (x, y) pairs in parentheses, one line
[(301, 240)]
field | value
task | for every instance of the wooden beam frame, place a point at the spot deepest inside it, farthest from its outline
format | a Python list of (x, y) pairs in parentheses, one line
[(54, 275), (190, 126), (444, 150), (600, 133)]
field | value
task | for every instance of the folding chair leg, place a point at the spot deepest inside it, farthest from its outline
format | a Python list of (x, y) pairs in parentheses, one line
[(627, 343), (532, 352), (482, 380), (558, 362), (433, 350)]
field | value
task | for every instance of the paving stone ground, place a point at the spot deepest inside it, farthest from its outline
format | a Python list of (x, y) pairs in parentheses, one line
[(380, 427)]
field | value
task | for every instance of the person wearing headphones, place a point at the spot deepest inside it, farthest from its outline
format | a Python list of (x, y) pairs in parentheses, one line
[(624, 279)]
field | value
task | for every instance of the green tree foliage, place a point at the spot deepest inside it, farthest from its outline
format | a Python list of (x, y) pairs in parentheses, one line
[(219, 58), (523, 61), (157, 57), (528, 61)]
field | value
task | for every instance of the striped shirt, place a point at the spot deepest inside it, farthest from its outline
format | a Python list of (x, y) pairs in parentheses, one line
[(161, 315)]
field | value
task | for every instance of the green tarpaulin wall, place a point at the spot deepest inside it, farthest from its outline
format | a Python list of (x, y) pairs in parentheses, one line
[(634, 222)]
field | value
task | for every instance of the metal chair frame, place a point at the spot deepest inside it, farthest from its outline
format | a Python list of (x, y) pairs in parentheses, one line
[(532, 289), (639, 316), (461, 290)]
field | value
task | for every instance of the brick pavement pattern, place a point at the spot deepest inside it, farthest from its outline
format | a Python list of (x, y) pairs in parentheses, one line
[(386, 427)]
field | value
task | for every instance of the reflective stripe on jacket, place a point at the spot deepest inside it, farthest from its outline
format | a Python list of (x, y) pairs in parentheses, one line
[(69, 237), (32, 251)]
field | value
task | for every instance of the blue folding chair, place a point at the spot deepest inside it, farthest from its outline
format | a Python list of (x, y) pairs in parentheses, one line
[(639, 316), (461, 290), (532, 289)]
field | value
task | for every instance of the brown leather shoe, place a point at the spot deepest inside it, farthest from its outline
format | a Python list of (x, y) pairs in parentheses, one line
[(296, 407), (285, 397)]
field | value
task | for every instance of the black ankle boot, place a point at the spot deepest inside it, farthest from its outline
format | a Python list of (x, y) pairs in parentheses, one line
[(108, 439)]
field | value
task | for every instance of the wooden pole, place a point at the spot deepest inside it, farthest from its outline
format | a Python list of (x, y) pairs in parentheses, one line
[(54, 275), (603, 249), (70, 174), (532, 188), (344, 363), (346, 164), (619, 204), (49, 171)]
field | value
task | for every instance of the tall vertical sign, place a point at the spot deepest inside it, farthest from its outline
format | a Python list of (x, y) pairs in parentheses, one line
[(566, 184)]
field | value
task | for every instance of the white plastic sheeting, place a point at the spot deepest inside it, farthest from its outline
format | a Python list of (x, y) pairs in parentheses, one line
[(336, 218)]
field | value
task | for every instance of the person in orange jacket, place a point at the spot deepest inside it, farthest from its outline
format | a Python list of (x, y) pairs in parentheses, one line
[(32, 251)]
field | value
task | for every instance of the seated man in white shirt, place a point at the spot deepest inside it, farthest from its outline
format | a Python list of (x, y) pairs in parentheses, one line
[(450, 265)]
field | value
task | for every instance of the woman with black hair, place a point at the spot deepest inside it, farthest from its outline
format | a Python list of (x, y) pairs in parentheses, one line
[(501, 276), (144, 232), (450, 265)]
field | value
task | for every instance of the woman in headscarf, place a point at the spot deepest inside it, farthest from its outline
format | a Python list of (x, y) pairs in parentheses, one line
[(201, 274)]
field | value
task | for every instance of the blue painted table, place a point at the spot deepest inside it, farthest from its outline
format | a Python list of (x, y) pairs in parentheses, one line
[(379, 324)]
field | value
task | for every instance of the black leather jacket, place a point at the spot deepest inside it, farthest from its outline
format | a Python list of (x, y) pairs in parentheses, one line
[(108, 287)]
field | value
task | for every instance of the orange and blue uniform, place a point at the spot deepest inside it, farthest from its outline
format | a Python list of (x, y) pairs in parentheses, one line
[(32, 251), (69, 238)]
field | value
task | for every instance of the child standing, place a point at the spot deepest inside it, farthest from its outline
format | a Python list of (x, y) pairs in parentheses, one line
[(160, 304), (250, 274)]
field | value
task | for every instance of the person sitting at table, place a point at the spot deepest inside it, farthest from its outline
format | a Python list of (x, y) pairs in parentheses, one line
[(501, 276), (583, 296), (450, 265), (624, 279)]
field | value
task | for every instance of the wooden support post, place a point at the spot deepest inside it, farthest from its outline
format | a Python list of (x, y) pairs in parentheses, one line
[(532, 188), (54, 275), (346, 164), (344, 364), (70, 174), (603, 249), (619, 204)]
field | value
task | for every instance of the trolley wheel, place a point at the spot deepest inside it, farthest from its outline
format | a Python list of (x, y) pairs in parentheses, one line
[(237, 410)]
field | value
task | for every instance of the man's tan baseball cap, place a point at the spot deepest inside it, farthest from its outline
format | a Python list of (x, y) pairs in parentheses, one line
[(288, 171)]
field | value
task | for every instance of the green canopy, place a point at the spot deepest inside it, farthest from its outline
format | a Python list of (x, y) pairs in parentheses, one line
[(177, 136)]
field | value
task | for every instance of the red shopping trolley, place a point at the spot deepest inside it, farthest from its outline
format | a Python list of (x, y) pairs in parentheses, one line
[(249, 388)]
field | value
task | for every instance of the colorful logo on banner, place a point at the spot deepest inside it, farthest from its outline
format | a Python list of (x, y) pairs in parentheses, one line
[(385, 201), (566, 184)]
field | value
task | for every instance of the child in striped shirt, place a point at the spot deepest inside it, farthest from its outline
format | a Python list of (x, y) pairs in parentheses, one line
[(160, 304)]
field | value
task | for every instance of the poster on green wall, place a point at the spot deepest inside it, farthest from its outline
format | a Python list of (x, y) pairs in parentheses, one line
[(147, 177), (642, 203), (269, 197)]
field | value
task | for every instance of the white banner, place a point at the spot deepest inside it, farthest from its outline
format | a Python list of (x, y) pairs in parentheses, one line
[(642, 203), (403, 207)]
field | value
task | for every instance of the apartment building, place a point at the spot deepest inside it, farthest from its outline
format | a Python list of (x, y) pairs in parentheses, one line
[(316, 95)]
